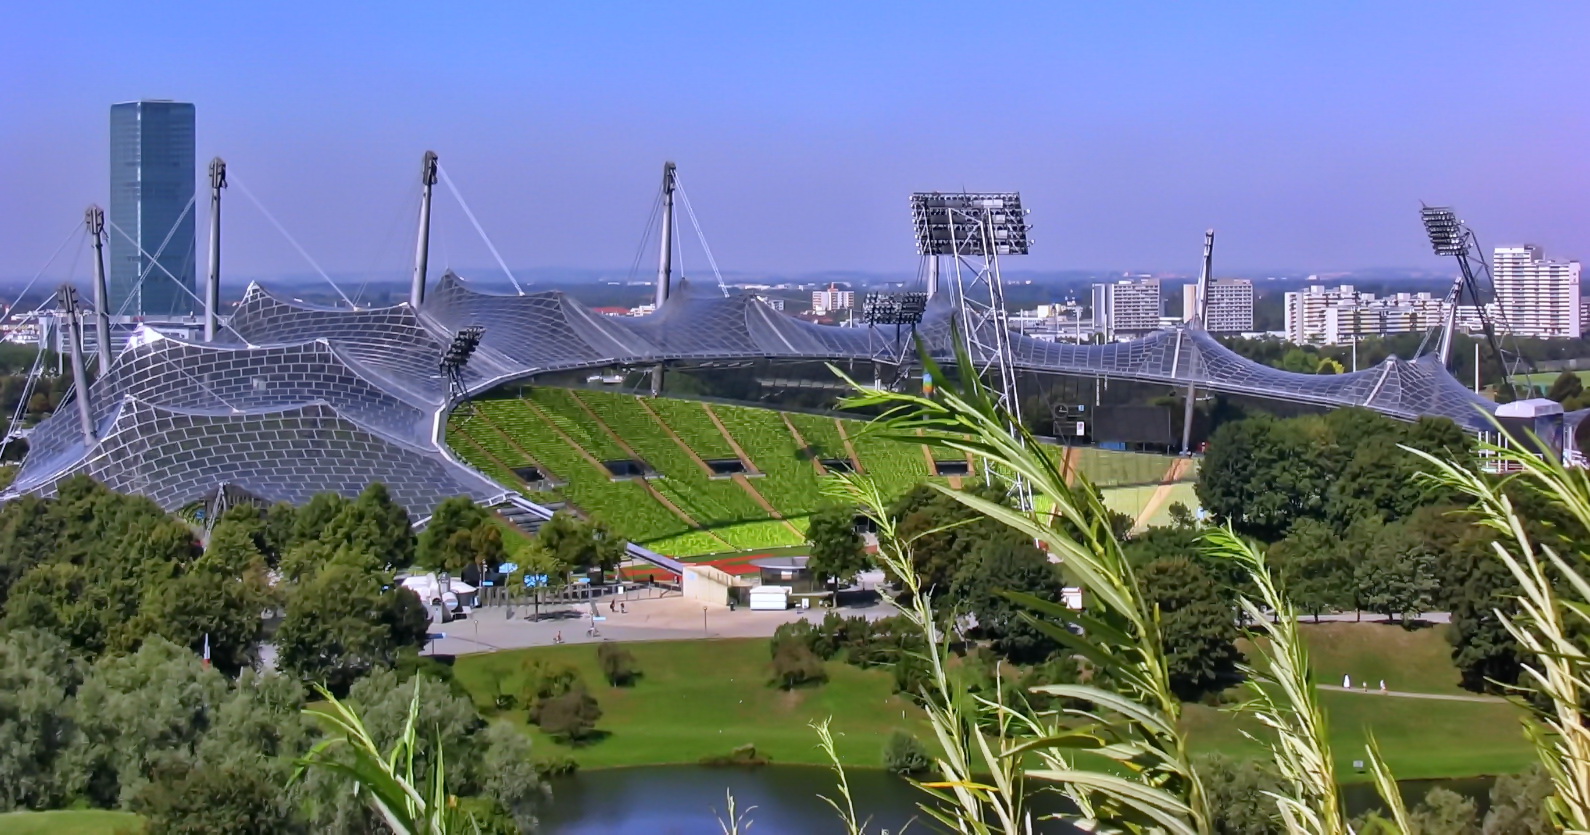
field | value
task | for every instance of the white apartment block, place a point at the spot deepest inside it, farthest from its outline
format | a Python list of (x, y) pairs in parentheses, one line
[(1126, 308), (1341, 315), (1536, 297), (1229, 308), (832, 299)]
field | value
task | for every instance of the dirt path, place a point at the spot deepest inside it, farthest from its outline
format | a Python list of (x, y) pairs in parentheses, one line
[(1162, 492), (850, 448), (1070, 464)]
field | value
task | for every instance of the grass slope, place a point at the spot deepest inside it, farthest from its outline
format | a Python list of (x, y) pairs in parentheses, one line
[(704, 698), (75, 822)]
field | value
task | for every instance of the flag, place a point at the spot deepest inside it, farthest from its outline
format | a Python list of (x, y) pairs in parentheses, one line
[(206, 649)]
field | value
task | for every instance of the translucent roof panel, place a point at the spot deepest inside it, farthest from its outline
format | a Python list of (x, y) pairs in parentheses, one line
[(299, 398)]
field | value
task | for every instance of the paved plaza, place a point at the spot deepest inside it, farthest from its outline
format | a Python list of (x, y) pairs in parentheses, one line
[(648, 617)]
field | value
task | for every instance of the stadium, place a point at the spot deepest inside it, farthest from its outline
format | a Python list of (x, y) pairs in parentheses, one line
[(442, 395)]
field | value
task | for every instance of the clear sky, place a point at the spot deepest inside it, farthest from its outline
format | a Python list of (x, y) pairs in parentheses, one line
[(1305, 133)]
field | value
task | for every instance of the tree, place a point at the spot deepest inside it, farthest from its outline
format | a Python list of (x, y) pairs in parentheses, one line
[(460, 534), (231, 798), (1487, 656), (340, 625), (1394, 575), (1445, 812), (1239, 795), (1566, 387), (374, 523), (794, 664), (1313, 569), (1261, 474), (838, 553), (1008, 562), (1518, 804), (618, 665), (571, 716), (905, 754), (220, 601), (580, 544), (38, 671), (142, 714), (1197, 622), (535, 561)]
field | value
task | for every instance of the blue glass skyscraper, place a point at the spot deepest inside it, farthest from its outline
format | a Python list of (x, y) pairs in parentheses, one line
[(151, 202)]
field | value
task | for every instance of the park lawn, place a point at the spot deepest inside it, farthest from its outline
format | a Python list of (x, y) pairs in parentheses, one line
[(1420, 738), (698, 699), (73, 822), (1412, 661)]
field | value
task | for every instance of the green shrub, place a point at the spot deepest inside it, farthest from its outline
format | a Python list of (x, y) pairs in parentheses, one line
[(618, 665), (905, 754), (794, 664), (571, 716)]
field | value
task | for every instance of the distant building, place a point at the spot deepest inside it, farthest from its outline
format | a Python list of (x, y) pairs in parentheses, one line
[(151, 201), (1536, 297), (833, 298), (1126, 308), (1230, 307), (1342, 315)]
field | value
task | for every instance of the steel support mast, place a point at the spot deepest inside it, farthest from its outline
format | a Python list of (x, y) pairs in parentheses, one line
[(422, 247), (212, 286), (1200, 315), (665, 257), (665, 260), (74, 332), (94, 217)]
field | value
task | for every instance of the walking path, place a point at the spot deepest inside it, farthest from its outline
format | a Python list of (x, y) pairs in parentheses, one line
[(1402, 694)]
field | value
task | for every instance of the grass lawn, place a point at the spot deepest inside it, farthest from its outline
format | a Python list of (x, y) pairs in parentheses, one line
[(77, 822), (700, 699), (1420, 738), (1544, 379), (1417, 661), (704, 698)]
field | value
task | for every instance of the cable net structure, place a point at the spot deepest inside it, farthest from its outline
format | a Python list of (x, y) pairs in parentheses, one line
[(295, 399)]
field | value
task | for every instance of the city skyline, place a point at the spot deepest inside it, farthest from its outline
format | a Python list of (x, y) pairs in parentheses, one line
[(799, 139)]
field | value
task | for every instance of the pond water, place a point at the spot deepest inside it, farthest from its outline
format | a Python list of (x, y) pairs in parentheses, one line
[(784, 800)]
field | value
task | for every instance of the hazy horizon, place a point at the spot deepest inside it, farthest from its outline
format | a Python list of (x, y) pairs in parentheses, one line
[(1306, 136)]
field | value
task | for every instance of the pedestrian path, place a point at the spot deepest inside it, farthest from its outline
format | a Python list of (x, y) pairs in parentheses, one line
[(1403, 694)]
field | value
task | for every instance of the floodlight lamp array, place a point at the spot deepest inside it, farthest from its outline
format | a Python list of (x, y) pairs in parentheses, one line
[(893, 308), (969, 223), (462, 348), (1444, 229)]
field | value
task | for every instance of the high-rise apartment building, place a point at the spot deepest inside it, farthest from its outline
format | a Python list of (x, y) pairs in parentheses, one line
[(151, 193), (1126, 308), (1230, 307), (832, 299), (1341, 315), (1536, 297)]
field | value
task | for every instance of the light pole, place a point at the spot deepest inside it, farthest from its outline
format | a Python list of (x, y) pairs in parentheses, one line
[(703, 621)]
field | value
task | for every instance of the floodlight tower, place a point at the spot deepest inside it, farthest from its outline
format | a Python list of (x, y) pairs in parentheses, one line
[(1449, 236), (457, 356), (974, 229)]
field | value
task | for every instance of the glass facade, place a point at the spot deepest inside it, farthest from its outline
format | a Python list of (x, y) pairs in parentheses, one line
[(151, 194)]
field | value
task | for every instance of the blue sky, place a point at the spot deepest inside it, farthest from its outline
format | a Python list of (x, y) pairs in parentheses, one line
[(1305, 133)]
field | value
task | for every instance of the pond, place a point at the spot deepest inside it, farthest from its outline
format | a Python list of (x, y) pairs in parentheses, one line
[(784, 800)]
